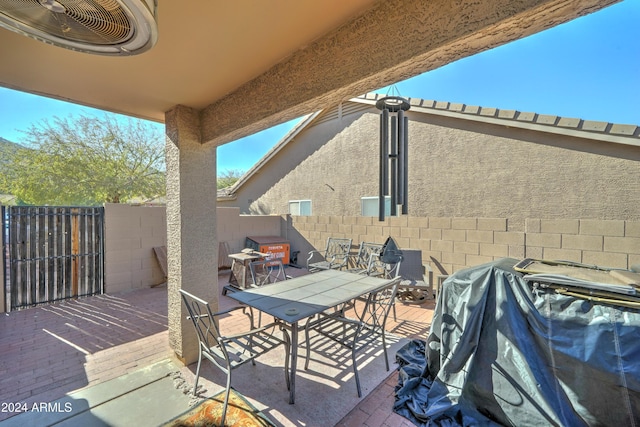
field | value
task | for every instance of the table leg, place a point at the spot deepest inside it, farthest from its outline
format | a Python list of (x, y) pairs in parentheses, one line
[(294, 361)]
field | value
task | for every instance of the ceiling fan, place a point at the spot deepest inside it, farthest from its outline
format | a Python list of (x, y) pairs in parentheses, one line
[(106, 27)]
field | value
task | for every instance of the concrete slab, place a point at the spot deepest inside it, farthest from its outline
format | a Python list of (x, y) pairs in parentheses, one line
[(150, 405), (147, 397)]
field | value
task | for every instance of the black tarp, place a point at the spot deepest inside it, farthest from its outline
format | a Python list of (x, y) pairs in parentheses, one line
[(502, 353)]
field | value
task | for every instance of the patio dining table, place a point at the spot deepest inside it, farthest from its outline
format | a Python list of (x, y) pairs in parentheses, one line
[(296, 299)]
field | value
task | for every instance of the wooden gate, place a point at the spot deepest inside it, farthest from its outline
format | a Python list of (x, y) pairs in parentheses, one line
[(54, 253)]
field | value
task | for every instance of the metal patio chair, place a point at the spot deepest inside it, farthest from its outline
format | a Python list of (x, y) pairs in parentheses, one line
[(232, 351), (335, 255), (386, 264), (417, 278), (440, 278), (359, 263), (356, 334)]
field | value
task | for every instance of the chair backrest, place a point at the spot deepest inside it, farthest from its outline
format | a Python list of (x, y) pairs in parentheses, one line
[(439, 266), (378, 266), (387, 263), (264, 272), (202, 317), (378, 305), (364, 254), (340, 247)]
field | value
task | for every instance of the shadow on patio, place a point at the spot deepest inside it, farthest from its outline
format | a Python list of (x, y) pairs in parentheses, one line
[(89, 353)]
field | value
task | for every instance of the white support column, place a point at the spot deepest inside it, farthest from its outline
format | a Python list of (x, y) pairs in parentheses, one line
[(192, 247)]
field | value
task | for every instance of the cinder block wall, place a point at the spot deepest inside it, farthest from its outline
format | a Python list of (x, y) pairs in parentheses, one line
[(459, 243), (601, 242), (233, 228), (131, 233)]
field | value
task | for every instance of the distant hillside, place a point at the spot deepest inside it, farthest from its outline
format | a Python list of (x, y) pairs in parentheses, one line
[(6, 148)]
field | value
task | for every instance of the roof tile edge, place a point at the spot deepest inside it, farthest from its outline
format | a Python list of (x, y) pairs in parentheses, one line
[(617, 129)]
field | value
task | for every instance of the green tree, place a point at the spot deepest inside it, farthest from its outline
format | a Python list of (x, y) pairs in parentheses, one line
[(87, 161), (7, 151), (228, 178)]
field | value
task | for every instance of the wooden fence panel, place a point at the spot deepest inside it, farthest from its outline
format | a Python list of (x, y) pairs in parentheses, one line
[(54, 253)]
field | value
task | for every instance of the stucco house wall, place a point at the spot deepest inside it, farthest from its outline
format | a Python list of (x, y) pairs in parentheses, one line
[(284, 165), (483, 184), (502, 164)]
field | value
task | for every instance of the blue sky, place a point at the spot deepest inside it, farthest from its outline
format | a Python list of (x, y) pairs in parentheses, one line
[(588, 68)]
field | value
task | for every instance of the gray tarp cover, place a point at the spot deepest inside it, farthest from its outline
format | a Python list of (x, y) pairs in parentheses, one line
[(500, 353)]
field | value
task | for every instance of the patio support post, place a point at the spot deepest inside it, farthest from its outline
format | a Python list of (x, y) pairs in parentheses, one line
[(192, 247)]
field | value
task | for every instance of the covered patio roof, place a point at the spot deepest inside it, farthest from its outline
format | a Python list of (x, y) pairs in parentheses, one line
[(224, 70), (247, 65)]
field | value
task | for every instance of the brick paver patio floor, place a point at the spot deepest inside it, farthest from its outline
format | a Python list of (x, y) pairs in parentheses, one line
[(51, 350)]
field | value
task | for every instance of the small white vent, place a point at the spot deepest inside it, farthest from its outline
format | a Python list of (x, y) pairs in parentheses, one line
[(107, 27)]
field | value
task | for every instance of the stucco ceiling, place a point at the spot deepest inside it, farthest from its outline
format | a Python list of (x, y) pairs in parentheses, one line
[(248, 64)]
